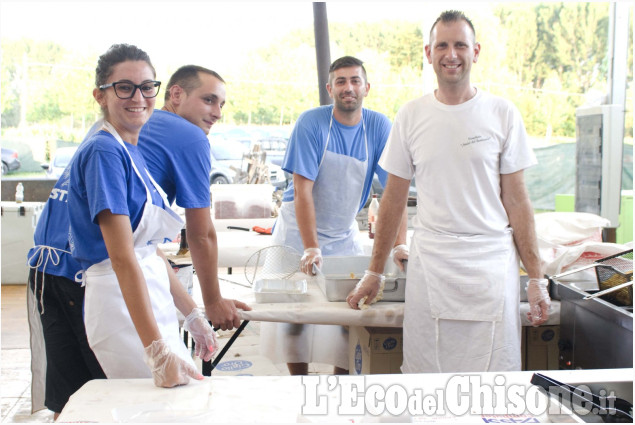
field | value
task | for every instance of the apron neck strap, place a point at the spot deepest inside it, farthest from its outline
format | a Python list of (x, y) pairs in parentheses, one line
[(328, 136), (111, 129)]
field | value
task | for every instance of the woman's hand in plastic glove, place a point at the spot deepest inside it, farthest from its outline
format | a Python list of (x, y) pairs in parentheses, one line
[(539, 301), (311, 256), (202, 333), (400, 255), (367, 287), (168, 369)]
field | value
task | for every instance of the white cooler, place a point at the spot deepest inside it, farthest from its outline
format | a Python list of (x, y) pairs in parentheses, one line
[(18, 225)]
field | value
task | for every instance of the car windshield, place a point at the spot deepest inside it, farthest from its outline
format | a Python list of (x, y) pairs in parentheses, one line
[(63, 157), (225, 151)]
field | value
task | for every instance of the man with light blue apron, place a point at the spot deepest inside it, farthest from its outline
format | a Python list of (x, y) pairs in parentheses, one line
[(332, 154)]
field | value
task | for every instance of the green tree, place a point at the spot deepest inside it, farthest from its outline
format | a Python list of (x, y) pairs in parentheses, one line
[(559, 50), (45, 83)]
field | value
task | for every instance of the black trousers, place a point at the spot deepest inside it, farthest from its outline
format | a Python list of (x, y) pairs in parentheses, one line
[(70, 361)]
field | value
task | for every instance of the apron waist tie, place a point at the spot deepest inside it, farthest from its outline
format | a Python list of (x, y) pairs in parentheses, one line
[(43, 253), (491, 351), (80, 277), (436, 342)]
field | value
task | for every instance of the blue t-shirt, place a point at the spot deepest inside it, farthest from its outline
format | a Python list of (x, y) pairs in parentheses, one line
[(306, 145), (103, 178), (52, 230), (178, 156)]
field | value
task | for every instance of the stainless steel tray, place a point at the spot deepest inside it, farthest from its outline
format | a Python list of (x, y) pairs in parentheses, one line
[(340, 275)]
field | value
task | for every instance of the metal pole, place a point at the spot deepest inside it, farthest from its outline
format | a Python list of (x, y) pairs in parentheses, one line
[(322, 49)]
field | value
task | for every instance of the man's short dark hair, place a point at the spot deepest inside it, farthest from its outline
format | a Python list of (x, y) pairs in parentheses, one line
[(187, 77), (453, 16), (345, 62)]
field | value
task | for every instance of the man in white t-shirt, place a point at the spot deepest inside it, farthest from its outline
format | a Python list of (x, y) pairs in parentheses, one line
[(467, 150)]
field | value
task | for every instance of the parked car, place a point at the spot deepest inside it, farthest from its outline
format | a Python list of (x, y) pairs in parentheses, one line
[(274, 147), (272, 140), (60, 160), (228, 159), (10, 161)]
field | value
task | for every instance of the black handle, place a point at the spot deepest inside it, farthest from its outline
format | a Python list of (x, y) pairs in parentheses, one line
[(229, 344), (615, 411)]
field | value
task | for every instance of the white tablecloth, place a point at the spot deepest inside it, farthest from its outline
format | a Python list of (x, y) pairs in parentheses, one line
[(317, 310), (291, 399), (235, 248)]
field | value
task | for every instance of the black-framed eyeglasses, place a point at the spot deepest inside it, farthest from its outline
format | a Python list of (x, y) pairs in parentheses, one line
[(126, 89)]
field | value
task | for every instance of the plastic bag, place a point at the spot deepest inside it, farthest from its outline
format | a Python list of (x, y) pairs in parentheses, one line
[(573, 257), (568, 240), (570, 228)]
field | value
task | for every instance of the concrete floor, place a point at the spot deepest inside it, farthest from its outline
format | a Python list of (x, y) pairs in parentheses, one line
[(15, 359), (15, 356)]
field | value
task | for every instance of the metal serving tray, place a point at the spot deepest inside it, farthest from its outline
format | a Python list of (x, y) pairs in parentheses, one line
[(339, 275), (280, 290)]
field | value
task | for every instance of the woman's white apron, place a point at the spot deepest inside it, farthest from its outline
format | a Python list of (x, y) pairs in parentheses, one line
[(337, 192), (110, 330)]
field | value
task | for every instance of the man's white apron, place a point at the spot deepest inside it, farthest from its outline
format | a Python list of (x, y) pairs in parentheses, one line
[(460, 299)]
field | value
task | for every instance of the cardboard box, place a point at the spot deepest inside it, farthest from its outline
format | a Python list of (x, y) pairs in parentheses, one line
[(374, 350), (541, 348)]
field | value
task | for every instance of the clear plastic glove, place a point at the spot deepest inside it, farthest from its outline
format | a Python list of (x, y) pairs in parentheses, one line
[(202, 333), (367, 291), (311, 256), (399, 255), (168, 369), (539, 301)]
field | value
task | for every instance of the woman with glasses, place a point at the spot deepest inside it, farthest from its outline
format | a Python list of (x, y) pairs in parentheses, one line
[(118, 215)]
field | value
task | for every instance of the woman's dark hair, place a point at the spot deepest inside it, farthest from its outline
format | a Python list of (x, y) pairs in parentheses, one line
[(116, 54)]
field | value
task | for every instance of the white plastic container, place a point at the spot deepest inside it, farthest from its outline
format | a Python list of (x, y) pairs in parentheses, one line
[(18, 224), (185, 273), (280, 290), (231, 201)]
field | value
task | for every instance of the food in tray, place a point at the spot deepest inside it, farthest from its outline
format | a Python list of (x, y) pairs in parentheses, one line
[(380, 295), (622, 296), (352, 275)]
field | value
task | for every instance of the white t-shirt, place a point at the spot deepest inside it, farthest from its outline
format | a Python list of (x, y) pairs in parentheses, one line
[(456, 154)]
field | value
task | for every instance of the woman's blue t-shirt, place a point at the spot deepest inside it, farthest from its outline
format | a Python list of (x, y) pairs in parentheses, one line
[(102, 177)]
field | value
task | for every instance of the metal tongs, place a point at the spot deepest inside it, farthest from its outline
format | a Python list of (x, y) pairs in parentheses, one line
[(589, 266), (609, 290), (607, 408)]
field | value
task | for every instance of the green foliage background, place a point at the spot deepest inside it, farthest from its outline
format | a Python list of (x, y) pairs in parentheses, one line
[(545, 57)]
